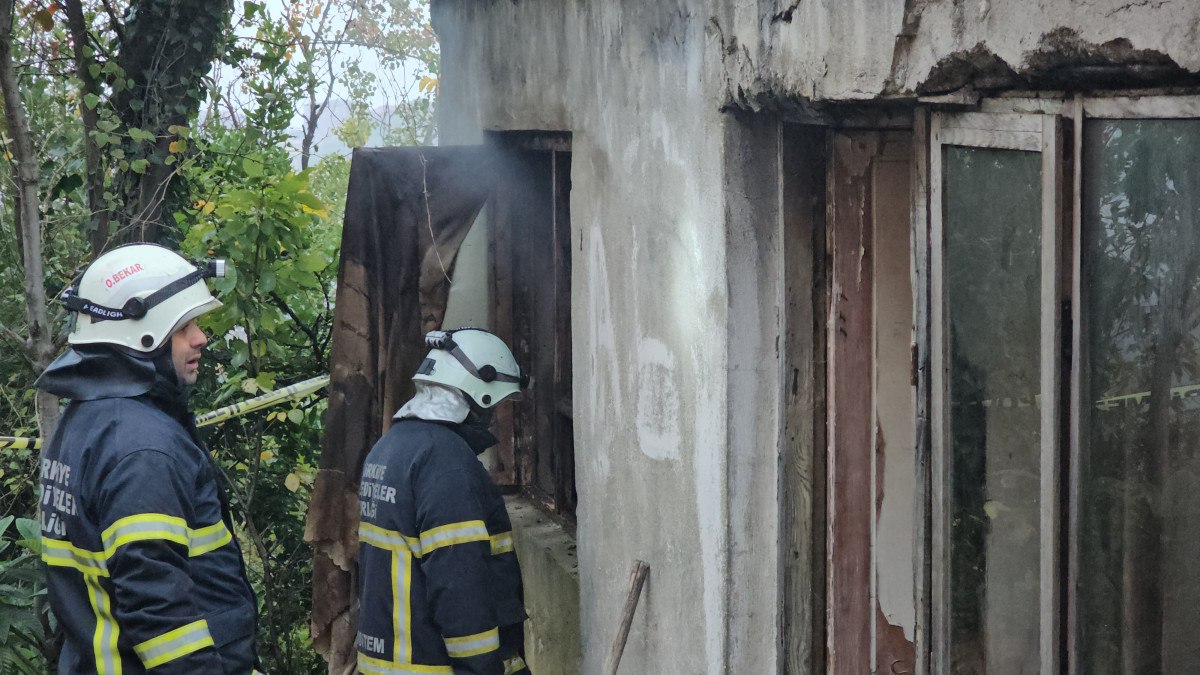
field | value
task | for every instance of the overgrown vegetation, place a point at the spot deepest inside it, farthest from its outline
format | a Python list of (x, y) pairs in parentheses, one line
[(200, 125)]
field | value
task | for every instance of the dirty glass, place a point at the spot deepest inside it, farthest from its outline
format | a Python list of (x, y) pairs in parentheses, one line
[(1138, 586), (992, 216)]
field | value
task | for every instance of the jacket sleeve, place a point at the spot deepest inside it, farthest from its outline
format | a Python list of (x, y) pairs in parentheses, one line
[(455, 550), (143, 518)]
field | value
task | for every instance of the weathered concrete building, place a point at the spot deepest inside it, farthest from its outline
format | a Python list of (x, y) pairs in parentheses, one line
[(870, 326)]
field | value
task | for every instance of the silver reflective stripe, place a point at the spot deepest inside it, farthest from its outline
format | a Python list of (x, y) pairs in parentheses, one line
[(208, 539), (374, 666), (502, 543), (456, 533), (104, 640), (175, 644), (473, 645), (62, 554), (142, 527), (381, 538)]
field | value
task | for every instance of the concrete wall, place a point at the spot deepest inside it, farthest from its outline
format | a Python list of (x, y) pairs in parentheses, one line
[(634, 83), (550, 569), (860, 49)]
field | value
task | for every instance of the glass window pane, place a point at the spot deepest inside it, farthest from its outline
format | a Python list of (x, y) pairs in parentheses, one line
[(992, 224), (1138, 589)]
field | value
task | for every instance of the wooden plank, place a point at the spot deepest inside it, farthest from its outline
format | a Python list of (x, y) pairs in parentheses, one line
[(1078, 414), (939, 395), (802, 165), (500, 213), (1039, 105), (536, 293), (892, 409), (562, 413), (985, 138), (1150, 107), (920, 255), (992, 122), (851, 492), (1050, 376)]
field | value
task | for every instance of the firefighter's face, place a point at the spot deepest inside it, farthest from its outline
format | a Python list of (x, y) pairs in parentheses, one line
[(186, 345)]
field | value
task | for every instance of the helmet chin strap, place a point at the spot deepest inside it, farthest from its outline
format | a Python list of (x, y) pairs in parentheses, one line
[(134, 308)]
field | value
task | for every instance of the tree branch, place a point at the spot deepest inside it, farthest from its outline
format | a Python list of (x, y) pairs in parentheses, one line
[(117, 26), (313, 339), (29, 224), (91, 151)]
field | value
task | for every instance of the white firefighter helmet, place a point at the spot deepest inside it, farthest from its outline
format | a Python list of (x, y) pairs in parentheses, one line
[(136, 296), (475, 362)]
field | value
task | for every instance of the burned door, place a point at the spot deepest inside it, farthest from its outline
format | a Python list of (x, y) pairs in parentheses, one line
[(871, 485)]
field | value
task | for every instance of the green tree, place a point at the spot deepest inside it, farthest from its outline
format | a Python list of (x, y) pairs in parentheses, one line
[(173, 121)]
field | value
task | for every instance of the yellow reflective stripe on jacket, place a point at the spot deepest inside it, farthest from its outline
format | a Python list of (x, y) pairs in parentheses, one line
[(502, 543), (402, 605), (373, 666), (473, 645), (59, 553), (389, 540), (142, 527), (174, 644), (454, 533), (208, 539), (513, 665), (104, 639), (156, 526)]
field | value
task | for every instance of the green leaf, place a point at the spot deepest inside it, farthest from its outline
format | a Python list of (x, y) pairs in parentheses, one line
[(139, 165), (295, 415), (311, 261), (253, 166), (140, 135), (31, 535), (266, 381), (240, 354), (266, 281), (91, 101)]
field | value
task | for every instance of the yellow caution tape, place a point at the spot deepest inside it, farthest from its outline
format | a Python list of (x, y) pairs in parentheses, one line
[(288, 393), (19, 443)]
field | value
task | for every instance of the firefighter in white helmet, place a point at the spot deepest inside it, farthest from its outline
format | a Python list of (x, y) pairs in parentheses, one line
[(144, 572), (432, 517)]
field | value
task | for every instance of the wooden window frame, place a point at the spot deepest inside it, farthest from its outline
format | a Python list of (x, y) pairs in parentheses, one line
[(1013, 123), (1029, 133), (546, 411)]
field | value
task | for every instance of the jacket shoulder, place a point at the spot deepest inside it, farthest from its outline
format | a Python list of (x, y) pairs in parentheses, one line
[(120, 426), (427, 444)]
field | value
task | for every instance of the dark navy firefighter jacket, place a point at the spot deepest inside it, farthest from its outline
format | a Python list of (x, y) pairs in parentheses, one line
[(440, 586), (144, 573)]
